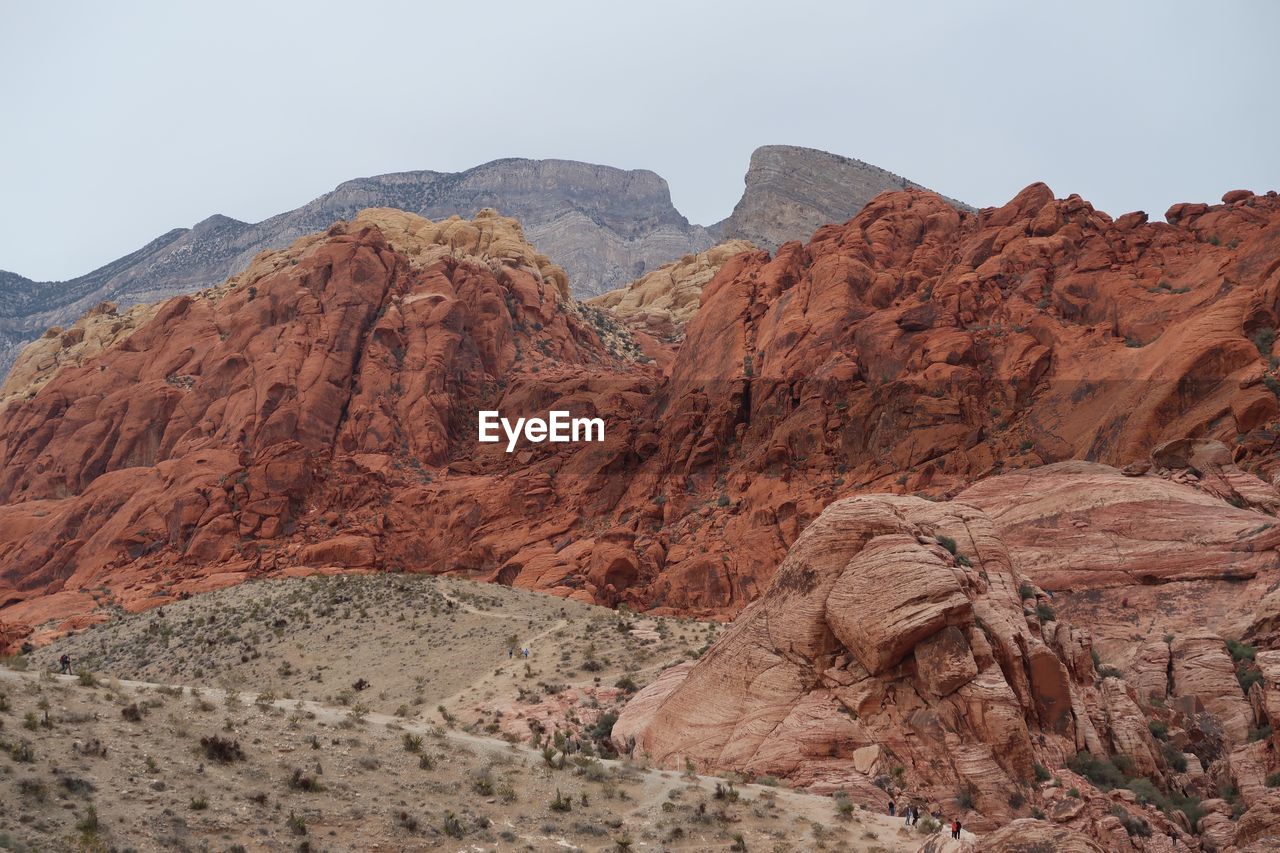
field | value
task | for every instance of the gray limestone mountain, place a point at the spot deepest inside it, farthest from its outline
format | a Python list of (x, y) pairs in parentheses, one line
[(792, 191), (604, 226)]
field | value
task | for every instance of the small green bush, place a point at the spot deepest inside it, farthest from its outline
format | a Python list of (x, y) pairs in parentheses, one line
[(1100, 771), (1241, 651)]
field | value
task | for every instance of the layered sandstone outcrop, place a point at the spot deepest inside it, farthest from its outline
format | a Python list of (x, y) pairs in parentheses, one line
[(891, 656), (662, 302), (98, 330), (915, 348), (301, 387)]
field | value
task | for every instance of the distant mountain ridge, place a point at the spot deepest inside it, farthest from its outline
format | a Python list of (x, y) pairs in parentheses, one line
[(792, 191), (604, 226)]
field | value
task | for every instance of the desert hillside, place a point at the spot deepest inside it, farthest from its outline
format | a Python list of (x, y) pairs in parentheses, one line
[(98, 761)]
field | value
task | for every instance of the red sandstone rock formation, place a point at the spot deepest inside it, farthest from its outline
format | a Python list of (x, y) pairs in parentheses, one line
[(892, 655), (318, 411)]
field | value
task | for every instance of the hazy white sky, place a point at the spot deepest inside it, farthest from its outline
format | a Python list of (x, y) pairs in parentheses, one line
[(123, 120)]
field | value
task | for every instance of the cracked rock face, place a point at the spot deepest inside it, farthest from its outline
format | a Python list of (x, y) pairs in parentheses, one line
[(875, 646), (895, 654)]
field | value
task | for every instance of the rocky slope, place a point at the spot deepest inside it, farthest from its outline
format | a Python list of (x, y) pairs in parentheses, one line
[(319, 410), (792, 192), (662, 302), (900, 652)]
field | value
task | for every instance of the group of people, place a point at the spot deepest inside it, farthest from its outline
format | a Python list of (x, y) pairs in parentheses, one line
[(910, 813), (911, 816)]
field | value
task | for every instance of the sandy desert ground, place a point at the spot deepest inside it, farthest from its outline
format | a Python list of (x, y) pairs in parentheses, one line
[(229, 721)]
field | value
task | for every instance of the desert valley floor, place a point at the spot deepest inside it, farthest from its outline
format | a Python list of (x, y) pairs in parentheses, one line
[(374, 712)]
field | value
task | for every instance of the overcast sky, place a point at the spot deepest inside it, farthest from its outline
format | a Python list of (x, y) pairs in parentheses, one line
[(123, 120)]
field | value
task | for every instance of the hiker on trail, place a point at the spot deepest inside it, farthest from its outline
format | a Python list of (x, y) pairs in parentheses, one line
[(510, 652), (65, 663), (892, 808), (955, 828), (525, 651), (915, 815)]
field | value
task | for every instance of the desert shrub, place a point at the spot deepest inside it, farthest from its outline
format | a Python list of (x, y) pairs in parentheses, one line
[(844, 805), (1248, 676), (1100, 771), (199, 803), (1273, 780), (412, 742), (1189, 806), (1264, 339), (964, 798), (1159, 729), (300, 781), (1026, 591), (89, 825), (561, 803), (1042, 773), (220, 749), (602, 729), (452, 826), (1173, 757), (1135, 826), (297, 823), (627, 684), (132, 712), (1147, 793), (947, 542), (1259, 733), (33, 788), (1045, 612), (1241, 651)]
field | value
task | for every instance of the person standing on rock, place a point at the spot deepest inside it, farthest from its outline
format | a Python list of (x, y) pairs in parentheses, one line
[(955, 828), (892, 808), (64, 663)]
